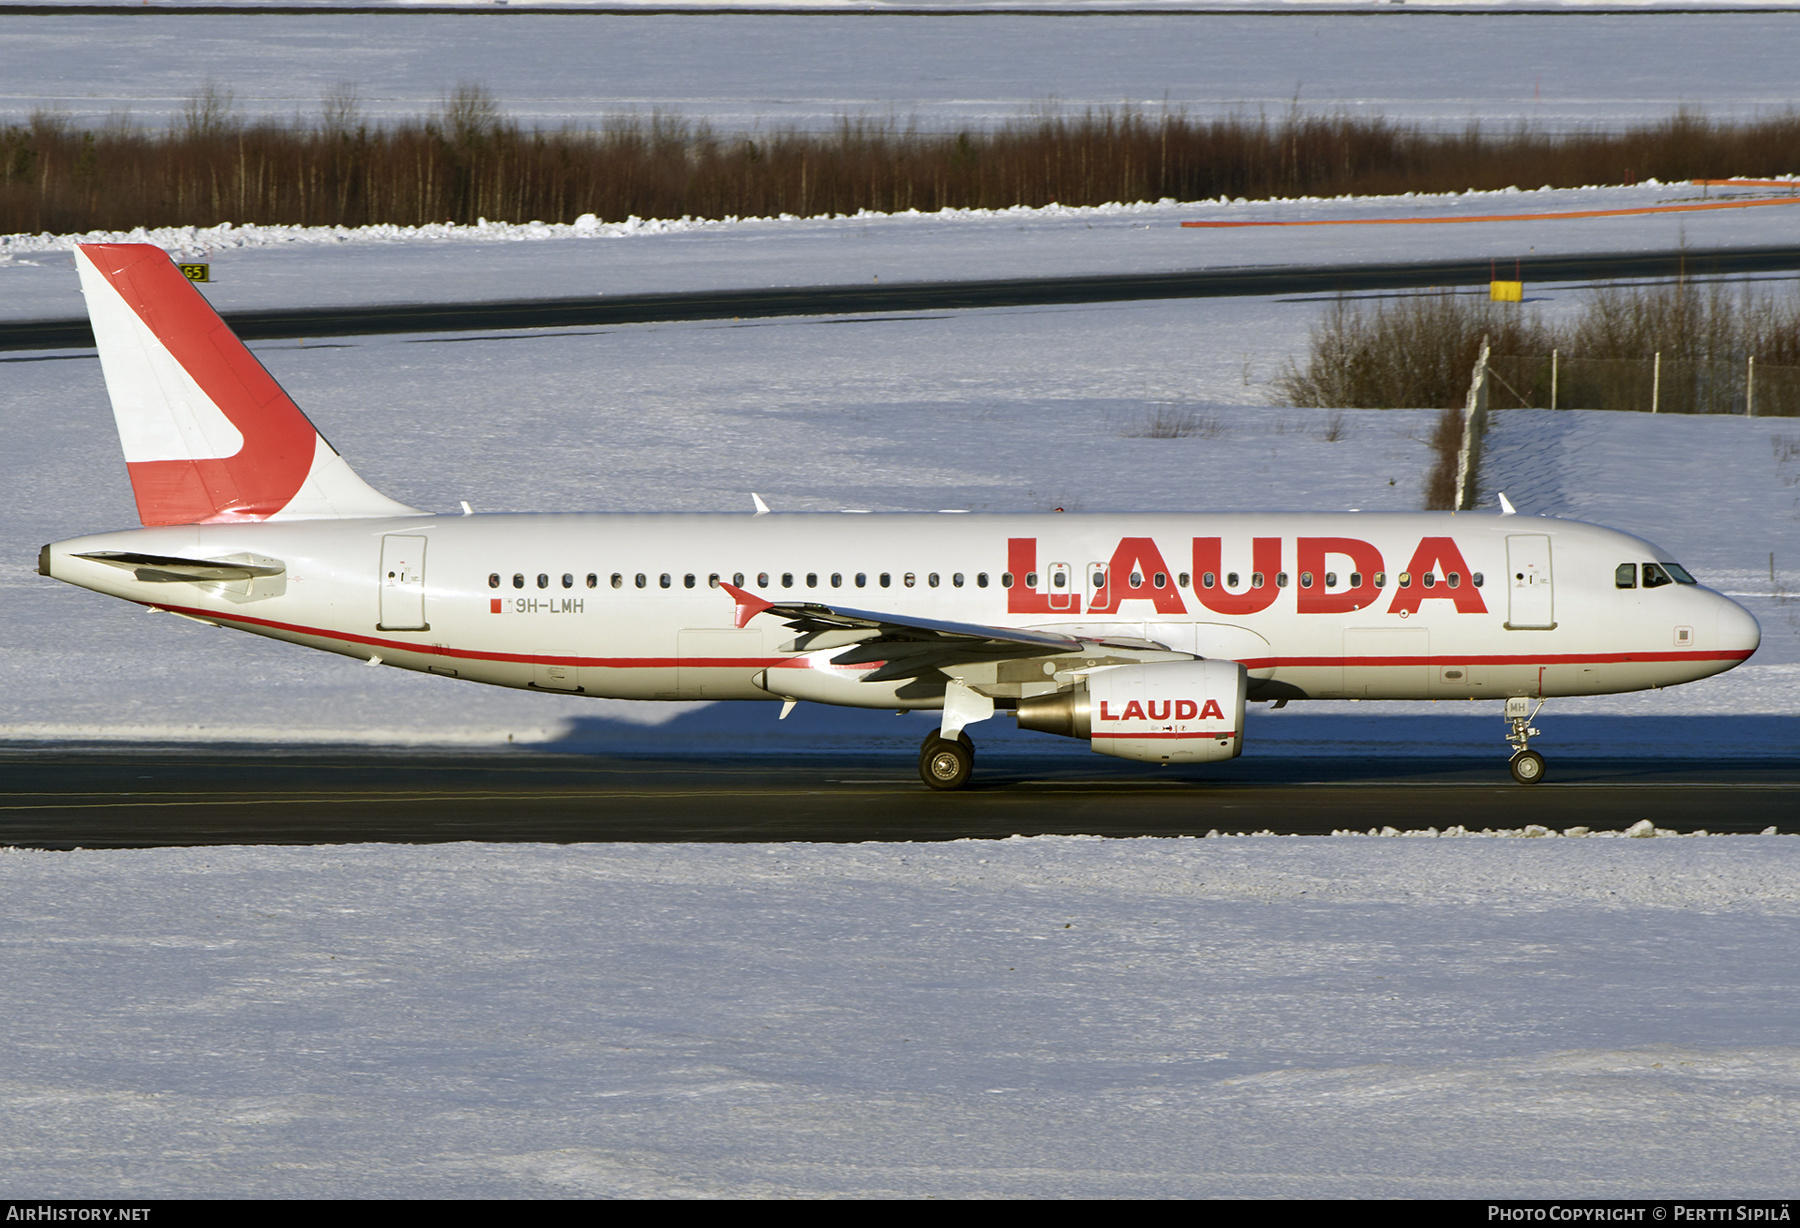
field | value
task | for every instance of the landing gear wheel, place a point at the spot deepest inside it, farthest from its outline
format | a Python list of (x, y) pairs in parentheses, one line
[(932, 739), (1528, 767), (946, 765)]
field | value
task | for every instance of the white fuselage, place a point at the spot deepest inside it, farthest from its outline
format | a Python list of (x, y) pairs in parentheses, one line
[(624, 605)]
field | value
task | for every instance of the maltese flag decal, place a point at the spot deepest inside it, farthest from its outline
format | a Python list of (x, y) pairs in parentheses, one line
[(208, 434)]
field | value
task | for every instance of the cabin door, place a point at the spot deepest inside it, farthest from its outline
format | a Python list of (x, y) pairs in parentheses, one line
[(403, 583), (1530, 597)]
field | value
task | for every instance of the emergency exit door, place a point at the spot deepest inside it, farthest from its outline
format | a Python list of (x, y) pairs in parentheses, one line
[(403, 583)]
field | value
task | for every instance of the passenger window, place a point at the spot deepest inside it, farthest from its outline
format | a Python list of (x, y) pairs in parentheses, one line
[(665, 580), (1429, 579), (618, 581), (593, 580), (543, 580), (1031, 578), (908, 579), (1406, 579), (812, 579), (837, 579), (1281, 579), (1161, 579), (737, 579), (762, 579), (1207, 579), (1060, 580), (1475, 579), (494, 580), (1099, 580), (787, 579), (1331, 579), (981, 579), (1453, 579), (687, 581), (712, 581), (932, 579), (1355, 579), (568, 580), (862, 579), (1306, 579), (887, 579), (1182, 579), (1625, 575), (1381, 579), (1231, 579), (642, 582), (518, 580), (1137, 579), (956, 580), (1655, 577)]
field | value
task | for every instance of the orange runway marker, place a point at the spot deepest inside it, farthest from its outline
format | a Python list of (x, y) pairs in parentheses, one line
[(1790, 184), (1698, 207)]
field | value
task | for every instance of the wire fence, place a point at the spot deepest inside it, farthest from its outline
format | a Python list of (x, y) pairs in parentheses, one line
[(1646, 385)]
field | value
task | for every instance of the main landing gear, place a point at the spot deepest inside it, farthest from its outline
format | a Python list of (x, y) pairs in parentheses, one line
[(1527, 764), (945, 765)]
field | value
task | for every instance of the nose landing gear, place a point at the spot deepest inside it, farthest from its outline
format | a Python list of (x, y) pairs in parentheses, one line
[(1527, 764)]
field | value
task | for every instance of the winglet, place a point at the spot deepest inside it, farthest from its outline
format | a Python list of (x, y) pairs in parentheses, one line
[(748, 604), (762, 509), (1506, 507)]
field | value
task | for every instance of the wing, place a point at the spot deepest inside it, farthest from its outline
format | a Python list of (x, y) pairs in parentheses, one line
[(908, 647)]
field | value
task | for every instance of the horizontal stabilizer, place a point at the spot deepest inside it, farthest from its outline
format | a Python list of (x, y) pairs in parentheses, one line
[(169, 569)]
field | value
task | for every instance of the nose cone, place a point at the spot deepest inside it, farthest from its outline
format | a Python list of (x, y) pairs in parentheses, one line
[(1737, 631)]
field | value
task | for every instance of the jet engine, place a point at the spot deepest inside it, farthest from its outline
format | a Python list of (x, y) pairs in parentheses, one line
[(1162, 712)]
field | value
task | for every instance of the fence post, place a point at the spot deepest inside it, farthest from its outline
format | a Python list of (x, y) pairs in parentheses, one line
[(1552, 379), (1474, 422), (1656, 382), (1750, 390)]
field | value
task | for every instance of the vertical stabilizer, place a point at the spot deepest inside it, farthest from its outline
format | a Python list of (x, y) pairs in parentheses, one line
[(209, 436)]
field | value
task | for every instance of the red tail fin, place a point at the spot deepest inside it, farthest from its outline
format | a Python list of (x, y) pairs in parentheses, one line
[(208, 434)]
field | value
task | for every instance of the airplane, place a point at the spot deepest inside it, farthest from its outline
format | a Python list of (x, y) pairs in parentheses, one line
[(1144, 636)]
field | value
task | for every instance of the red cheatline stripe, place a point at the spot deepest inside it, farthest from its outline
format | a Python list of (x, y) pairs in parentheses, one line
[(1698, 207), (1224, 733), (1571, 658), (439, 650)]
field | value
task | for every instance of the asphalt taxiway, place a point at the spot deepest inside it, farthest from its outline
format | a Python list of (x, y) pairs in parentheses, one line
[(58, 797), (597, 310)]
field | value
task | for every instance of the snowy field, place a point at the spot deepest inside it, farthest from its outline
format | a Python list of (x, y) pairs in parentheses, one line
[(742, 72), (290, 266), (977, 410), (974, 410), (1055, 1017)]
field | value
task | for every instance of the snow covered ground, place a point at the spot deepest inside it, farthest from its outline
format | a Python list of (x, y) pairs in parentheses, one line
[(289, 266), (1452, 1017), (740, 72), (978, 410), (1054, 1017)]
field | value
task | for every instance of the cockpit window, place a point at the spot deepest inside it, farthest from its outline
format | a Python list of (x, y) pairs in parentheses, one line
[(1625, 575), (1655, 576), (1679, 573)]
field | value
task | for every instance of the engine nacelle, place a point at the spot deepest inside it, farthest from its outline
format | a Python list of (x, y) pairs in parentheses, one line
[(1162, 712)]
